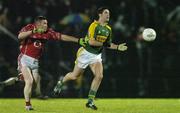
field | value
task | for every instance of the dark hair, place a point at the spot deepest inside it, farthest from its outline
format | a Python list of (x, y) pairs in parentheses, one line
[(100, 11), (39, 18)]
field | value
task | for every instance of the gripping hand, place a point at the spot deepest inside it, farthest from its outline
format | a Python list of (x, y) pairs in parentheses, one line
[(38, 30), (82, 42), (122, 47)]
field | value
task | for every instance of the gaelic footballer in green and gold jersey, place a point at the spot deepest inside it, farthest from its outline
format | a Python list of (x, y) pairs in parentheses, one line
[(99, 33), (98, 36)]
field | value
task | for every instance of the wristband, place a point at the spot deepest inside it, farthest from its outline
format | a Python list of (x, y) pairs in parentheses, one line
[(118, 47), (106, 45)]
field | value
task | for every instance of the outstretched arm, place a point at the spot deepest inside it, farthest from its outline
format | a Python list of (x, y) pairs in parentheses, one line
[(120, 47), (68, 38)]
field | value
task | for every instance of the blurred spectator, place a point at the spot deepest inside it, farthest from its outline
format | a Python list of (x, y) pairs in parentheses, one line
[(4, 20)]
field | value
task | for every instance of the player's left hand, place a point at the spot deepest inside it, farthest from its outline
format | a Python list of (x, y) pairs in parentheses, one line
[(38, 30), (82, 42), (122, 47)]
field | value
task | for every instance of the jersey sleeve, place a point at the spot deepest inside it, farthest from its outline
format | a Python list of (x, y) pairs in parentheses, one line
[(53, 35), (92, 31), (28, 27)]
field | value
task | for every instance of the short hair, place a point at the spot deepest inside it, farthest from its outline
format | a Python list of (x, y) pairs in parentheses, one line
[(100, 11), (39, 18)]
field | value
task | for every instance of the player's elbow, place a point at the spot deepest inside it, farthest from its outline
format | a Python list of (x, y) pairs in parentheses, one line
[(20, 36)]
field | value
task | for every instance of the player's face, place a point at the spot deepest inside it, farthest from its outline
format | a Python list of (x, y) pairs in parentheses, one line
[(105, 15), (43, 24)]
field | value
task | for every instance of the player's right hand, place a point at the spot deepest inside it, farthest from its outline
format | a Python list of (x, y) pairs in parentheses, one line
[(38, 30), (82, 42)]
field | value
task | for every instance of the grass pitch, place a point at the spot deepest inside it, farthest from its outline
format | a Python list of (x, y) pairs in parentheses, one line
[(104, 106)]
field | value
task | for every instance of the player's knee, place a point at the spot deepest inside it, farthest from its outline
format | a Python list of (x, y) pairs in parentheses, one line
[(99, 76), (74, 76), (29, 82)]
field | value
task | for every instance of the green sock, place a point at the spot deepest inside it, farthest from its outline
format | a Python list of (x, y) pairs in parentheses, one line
[(91, 95), (62, 83)]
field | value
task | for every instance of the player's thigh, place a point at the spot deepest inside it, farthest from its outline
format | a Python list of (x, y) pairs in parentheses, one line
[(77, 71), (97, 68), (26, 73), (36, 75)]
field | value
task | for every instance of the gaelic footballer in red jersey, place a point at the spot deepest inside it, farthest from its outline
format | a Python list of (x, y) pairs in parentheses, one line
[(33, 45), (32, 39)]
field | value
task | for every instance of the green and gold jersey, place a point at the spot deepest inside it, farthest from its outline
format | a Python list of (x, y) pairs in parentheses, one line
[(99, 33)]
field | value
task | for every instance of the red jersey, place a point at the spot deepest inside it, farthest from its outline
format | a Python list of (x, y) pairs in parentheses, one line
[(33, 45)]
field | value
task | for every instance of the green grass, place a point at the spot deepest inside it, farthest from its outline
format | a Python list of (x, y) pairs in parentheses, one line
[(104, 106)]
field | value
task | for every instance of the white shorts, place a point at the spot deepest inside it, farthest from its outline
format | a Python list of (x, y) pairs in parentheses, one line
[(84, 58), (24, 60)]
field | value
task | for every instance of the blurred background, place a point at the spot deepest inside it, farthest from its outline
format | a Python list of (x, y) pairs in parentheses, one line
[(147, 69)]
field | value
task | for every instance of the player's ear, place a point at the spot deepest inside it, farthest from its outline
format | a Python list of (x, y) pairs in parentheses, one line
[(99, 15)]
